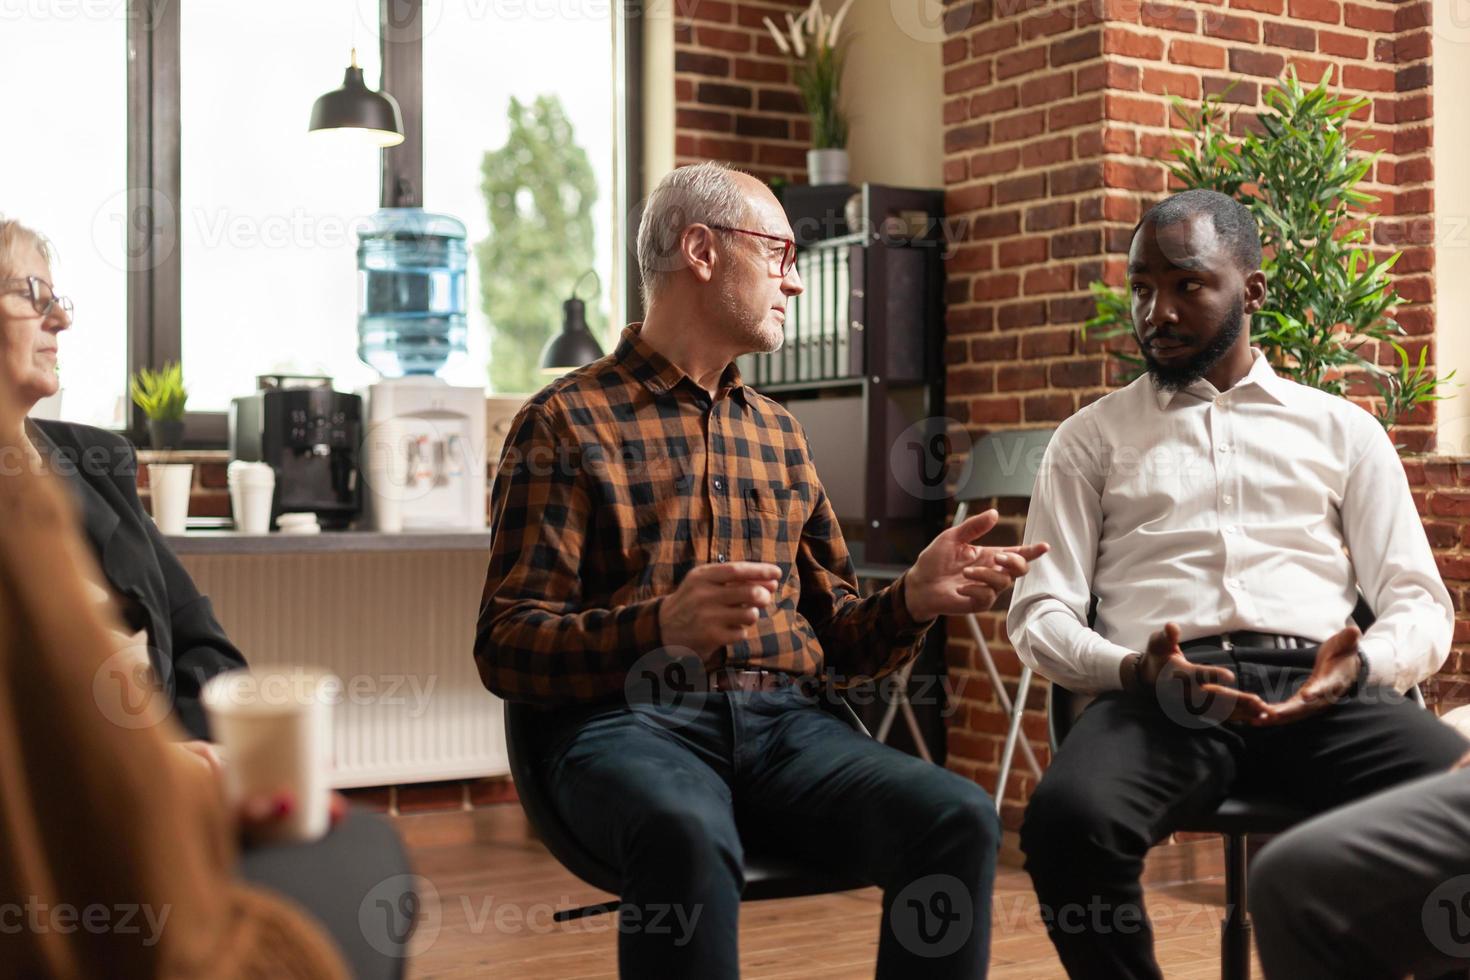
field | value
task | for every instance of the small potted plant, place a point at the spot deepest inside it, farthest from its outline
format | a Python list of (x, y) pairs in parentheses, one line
[(161, 395), (813, 39)]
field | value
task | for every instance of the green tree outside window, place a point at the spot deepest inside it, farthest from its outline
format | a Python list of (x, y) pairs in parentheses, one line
[(540, 191)]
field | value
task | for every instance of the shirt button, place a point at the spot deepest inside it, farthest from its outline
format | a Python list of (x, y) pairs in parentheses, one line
[(1229, 528), (1227, 499), (721, 557), (719, 484), (1224, 447)]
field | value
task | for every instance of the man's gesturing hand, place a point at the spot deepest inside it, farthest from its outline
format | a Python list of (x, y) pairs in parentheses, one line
[(716, 605), (1163, 670), (953, 576), (1333, 675), (1163, 654)]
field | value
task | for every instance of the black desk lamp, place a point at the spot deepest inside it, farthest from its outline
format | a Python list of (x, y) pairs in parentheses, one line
[(575, 345)]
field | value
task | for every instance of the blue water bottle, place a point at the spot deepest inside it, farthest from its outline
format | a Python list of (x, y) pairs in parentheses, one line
[(411, 291)]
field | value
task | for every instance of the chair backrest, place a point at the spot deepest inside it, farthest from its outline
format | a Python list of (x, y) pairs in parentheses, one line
[(526, 730), (1004, 464)]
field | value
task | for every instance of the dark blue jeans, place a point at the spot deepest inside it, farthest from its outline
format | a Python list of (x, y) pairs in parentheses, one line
[(674, 798)]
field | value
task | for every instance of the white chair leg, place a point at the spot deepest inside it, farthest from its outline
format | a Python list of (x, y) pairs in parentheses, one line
[(900, 685), (1000, 688), (907, 708), (1012, 735)]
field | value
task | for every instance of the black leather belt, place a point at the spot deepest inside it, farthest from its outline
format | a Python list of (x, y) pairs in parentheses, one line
[(756, 679), (1249, 639)]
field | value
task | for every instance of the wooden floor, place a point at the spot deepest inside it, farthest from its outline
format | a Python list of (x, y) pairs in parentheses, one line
[(490, 889)]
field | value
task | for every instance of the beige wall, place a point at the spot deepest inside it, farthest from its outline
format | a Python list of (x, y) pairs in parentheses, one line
[(1451, 60), (894, 92), (658, 94)]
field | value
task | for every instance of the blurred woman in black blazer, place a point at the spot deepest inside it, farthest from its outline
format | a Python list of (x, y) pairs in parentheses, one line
[(172, 643), (173, 628)]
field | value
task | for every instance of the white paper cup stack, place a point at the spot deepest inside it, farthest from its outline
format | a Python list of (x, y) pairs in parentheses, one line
[(252, 487)]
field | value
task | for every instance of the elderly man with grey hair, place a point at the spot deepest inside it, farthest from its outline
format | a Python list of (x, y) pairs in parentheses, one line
[(669, 580)]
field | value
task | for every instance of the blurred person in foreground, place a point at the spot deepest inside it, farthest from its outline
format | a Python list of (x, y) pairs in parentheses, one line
[(82, 815)]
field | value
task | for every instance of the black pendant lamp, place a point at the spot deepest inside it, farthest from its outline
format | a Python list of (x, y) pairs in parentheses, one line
[(355, 107), (575, 345)]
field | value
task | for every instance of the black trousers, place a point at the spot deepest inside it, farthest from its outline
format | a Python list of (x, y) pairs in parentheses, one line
[(1137, 767), (356, 882)]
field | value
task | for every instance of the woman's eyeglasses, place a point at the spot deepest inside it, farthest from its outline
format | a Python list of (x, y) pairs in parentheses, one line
[(788, 247), (43, 297)]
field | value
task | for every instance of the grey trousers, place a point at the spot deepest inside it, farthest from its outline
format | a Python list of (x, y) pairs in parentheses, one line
[(1379, 888)]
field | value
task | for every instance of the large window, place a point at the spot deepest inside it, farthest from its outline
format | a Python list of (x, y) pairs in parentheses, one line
[(269, 211), (167, 157), (63, 172), (522, 151)]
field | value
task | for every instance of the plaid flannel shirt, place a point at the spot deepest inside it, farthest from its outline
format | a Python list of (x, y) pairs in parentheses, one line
[(619, 478)]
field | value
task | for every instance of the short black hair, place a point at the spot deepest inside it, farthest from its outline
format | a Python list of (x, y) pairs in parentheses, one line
[(1233, 222)]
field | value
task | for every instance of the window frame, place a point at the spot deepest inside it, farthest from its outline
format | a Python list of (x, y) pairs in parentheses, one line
[(154, 228)]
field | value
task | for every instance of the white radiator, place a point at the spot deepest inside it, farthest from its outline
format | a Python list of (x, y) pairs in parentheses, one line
[(397, 627)]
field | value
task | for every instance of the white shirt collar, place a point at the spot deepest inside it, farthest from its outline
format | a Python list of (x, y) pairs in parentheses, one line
[(1259, 375)]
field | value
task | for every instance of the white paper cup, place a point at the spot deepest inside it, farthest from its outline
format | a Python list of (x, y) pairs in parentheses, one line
[(169, 485), (386, 462), (252, 488), (275, 729)]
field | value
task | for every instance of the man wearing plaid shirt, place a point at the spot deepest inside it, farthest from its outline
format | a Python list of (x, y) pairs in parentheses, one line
[(668, 577)]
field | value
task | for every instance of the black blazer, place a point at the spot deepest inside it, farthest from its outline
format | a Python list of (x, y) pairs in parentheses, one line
[(186, 643)]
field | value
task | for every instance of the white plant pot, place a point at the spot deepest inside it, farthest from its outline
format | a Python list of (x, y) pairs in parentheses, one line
[(826, 166), (169, 485)]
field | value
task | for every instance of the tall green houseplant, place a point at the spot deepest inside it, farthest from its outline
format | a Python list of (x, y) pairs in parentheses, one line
[(1326, 295)]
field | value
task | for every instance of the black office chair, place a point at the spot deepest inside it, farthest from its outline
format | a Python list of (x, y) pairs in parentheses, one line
[(766, 875), (1235, 819)]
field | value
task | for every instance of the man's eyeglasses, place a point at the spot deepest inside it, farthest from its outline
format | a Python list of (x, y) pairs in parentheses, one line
[(43, 297), (788, 247)]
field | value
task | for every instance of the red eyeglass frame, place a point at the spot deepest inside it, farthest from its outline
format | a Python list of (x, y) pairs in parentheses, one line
[(788, 253)]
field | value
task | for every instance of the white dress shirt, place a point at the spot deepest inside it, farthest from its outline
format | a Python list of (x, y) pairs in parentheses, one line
[(1266, 507)]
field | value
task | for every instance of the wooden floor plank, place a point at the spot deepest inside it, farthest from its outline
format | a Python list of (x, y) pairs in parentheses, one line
[(492, 887)]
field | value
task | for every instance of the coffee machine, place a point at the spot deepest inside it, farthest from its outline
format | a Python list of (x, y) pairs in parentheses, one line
[(311, 436)]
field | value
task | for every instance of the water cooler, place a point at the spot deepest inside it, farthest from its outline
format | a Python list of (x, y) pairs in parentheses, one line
[(411, 323)]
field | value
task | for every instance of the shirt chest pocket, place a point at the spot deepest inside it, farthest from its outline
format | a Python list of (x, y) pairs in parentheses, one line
[(775, 515), (770, 498)]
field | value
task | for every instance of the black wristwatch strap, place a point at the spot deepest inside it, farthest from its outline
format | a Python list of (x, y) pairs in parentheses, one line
[(1362, 680)]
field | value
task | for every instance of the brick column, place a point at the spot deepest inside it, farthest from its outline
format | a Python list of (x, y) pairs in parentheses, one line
[(734, 99)]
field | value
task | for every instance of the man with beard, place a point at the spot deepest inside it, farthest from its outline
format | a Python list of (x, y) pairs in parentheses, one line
[(1224, 519)]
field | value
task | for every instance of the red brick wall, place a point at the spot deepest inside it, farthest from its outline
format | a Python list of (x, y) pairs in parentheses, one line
[(1057, 123), (1441, 488), (734, 99)]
